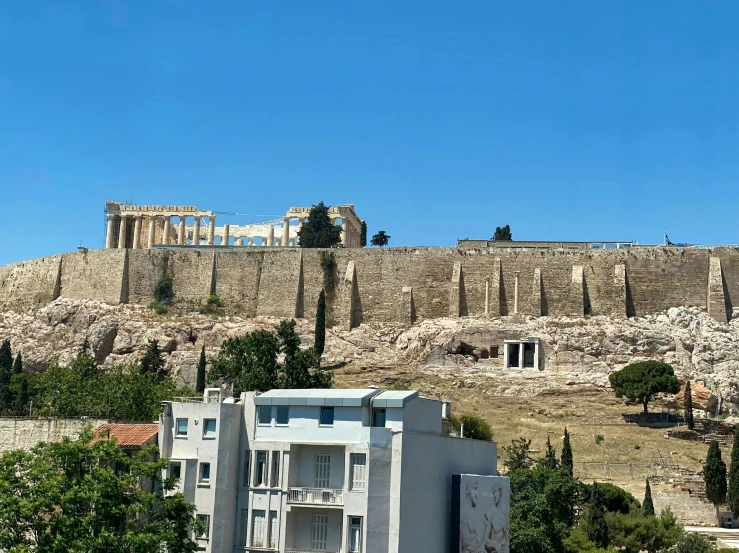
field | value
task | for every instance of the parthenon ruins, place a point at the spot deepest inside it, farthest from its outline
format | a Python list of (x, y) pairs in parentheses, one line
[(168, 226)]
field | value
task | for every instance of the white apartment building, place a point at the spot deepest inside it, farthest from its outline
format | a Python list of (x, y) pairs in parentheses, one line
[(299, 471)]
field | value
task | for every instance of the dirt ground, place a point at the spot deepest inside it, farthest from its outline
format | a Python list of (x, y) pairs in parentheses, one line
[(603, 442)]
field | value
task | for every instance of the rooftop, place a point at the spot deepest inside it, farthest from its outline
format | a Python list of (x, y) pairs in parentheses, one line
[(394, 399), (129, 435), (330, 398)]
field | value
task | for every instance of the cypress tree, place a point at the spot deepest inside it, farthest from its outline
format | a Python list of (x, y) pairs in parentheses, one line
[(688, 406), (648, 506), (732, 496), (566, 458), (6, 368), (21, 399), (200, 382), (363, 235), (320, 333), (714, 475), (597, 529), (550, 457), (152, 361), (319, 231), (18, 364)]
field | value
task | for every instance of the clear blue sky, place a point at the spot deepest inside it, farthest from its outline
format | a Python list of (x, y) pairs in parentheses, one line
[(437, 119)]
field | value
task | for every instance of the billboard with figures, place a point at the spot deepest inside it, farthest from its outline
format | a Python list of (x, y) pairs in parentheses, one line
[(480, 514)]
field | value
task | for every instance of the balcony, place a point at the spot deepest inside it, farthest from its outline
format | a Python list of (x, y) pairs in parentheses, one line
[(314, 496), (306, 551)]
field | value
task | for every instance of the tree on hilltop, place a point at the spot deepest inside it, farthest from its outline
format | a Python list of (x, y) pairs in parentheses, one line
[(714, 476), (503, 233), (519, 455), (318, 231), (200, 380), (152, 362), (641, 381), (566, 460), (648, 505), (380, 239), (363, 235)]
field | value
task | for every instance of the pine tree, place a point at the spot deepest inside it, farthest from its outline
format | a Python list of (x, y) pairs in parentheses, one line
[(320, 333), (6, 369), (714, 475), (363, 235), (688, 406), (647, 506), (732, 497), (200, 383), (550, 457), (18, 364), (566, 458), (596, 526)]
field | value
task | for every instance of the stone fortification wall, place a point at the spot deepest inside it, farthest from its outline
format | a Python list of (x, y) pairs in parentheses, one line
[(26, 433), (393, 285)]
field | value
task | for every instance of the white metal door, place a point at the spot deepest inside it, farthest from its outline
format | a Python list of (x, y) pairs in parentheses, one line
[(258, 529), (319, 535), (323, 470), (359, 469), (273, 529)]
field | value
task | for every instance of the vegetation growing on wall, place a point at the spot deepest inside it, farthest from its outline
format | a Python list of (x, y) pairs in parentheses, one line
[(328, 265), (164, 290)]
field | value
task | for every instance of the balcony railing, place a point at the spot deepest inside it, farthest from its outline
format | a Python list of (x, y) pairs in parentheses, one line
[(315, 496), (306, 551)]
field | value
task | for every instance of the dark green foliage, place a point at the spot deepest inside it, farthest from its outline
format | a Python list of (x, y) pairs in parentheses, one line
[(550, 456), (250, 362), (503, 233), (519, 455), (566, 460), (74, 496), (18, 364), (732, 497), (152, 362), (320, 331), (380, 239), (693, 543), (688, 406), (640, 381), (648, 506), (714, 475), (22, 399), (475, 428), (213, 306), (328, 264), (158, 308), (200, 380), (363, 235), (615, 499), (6, 369), (595, 522), (318, 231), (634, 532), (164, 290)]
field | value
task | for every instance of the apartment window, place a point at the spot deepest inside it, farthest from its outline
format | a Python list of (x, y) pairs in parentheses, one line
[(355, 534), (265, 415), (258, 528), (260, 475), (378, 418), (205, 519), (273, 529), (275, 479), (327, 416), (244, 522), (181, 428), (205, 472), (282, 415), (175, 470), (319, 532), (323, 470), (359, 471), (247, 468), (209, 428)]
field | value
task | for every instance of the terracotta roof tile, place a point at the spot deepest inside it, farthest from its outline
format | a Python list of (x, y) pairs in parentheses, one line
[(129, 435)]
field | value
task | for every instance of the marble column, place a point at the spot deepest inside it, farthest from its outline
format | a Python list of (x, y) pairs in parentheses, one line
[(286, 231), (109, 234), (238, 242), (211, 230), (271, 236), (136, 232), (226, 237), (167, 225), (181, 237), (250, 241), (152, 229), (122, 233), (196, 232)]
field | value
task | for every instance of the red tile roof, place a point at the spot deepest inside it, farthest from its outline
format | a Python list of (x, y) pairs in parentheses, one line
[(129, 435)]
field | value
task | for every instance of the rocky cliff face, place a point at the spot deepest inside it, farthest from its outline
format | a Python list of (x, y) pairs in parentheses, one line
[(577, 352)]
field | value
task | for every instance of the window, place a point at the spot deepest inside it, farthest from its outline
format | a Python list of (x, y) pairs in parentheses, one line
[(205, 472), (275, 479), (247, 468), (273, 529), (258, 528), (327, 416), (282, 414), (265, 415), (494, 351), (378, 418), (181, 427), (244, 522), (355, 534), (205, 519), (175, 470), (323, 470), (209, 428), (358, 471), (260, 475), (319, 532)]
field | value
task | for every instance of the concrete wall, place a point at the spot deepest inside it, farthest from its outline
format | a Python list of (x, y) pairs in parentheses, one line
[(687, 508), (285, 282), (26, 433)]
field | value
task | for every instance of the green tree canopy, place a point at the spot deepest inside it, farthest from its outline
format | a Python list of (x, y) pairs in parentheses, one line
[(380, 239), (550, 456), (6, 369), (363, 235), (318, 231), (614, 499), (18, 364), (200, 379), (152, 362), (641, 381), (75, 496), (595, 525), (566, 460), (519, 454), (634, 532), (692, 543), (648, 505), (503, 233), (320, 330), (714, 475), (250, 362), (475, 428), (732, 497)]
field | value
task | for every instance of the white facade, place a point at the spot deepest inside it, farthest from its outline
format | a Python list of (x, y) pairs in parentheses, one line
[(320, 470)]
